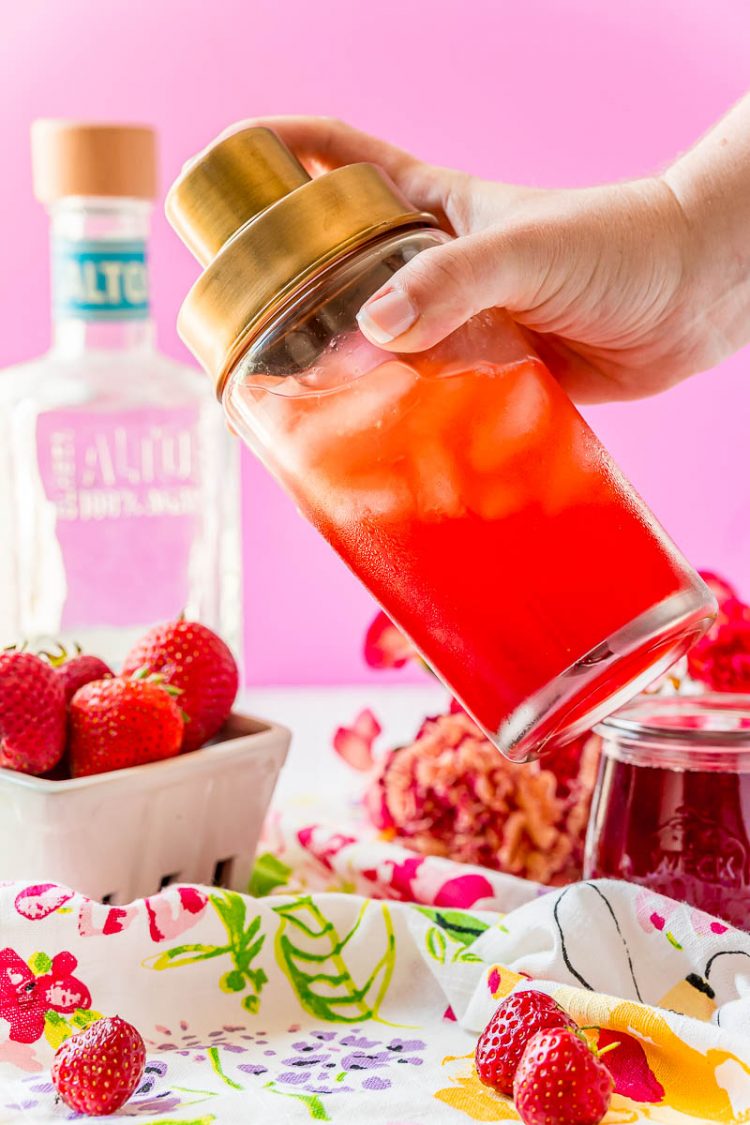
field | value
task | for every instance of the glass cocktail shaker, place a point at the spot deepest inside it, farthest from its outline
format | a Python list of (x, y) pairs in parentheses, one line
[(459, 484)]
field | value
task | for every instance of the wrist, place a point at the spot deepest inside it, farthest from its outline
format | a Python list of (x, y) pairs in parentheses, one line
[(712, 192)]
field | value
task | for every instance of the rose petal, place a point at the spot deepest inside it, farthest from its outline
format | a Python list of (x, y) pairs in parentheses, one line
[(354, 743), (386, 646), (367, 725)]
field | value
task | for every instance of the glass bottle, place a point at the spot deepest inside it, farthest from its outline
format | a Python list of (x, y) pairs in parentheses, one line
[(671, 808), (460, 484), (118, 501)]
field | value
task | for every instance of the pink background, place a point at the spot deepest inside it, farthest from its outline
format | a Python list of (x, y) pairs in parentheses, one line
[(539, 91)]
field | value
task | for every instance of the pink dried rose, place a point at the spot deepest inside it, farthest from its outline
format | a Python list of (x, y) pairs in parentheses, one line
[(451, 793), (720, 660), (722, 590)]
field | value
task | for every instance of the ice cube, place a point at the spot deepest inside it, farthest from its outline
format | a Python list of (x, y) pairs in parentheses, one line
[(516, 419), (436, 482), (345, 429)]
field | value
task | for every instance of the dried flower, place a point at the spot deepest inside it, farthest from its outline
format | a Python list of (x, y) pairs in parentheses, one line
[(451, 793)]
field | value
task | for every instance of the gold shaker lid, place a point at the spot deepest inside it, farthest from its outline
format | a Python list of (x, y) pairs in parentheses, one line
[(262, 227)]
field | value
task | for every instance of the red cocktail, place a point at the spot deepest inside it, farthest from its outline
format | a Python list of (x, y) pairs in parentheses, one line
[(476, 504)]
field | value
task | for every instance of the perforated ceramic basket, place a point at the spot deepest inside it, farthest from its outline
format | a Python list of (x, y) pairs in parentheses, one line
[(122, 835)]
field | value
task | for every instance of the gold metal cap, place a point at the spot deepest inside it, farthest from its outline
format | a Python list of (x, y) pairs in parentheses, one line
[(251, 214), (89, 159)]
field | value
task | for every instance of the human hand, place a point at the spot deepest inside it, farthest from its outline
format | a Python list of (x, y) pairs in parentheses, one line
[(608, 282)]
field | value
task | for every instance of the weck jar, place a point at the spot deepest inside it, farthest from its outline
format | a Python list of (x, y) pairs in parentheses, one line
[(460, 484), (671, 808)]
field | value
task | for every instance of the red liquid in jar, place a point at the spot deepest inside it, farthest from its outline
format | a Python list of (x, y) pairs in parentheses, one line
[(487, 519), (682, 833)]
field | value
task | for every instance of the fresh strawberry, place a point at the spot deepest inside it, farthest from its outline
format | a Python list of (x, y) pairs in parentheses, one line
[(504, 1039), (97, 1070), (76, 670), (192, 658), (32, 713), (119, 722), (560, 1081)]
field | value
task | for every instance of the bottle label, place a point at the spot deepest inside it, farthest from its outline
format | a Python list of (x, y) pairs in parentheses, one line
[(125, 512), (98, 280)]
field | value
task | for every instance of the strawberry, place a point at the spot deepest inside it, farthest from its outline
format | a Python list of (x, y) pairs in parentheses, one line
[(119, 722), (32, 713), (76, 670), (192, 658), (504, 1039), (97, 1070), (561, 1081)]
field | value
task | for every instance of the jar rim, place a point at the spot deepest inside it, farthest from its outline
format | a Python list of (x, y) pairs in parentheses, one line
[(707, 731)]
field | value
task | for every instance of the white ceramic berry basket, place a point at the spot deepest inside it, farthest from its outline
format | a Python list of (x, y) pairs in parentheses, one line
[(126, 834)]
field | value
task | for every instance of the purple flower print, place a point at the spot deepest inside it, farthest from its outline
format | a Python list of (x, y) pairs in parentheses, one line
[(329, 1063)]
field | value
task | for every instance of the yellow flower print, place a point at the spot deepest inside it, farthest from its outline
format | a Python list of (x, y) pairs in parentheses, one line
[(470, 1097)]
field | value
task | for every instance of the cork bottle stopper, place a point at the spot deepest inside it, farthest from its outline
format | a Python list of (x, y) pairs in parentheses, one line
[(87, 159)]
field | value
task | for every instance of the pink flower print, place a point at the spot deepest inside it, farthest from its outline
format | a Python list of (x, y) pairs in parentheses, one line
[(464, 891), (354, 743), (25, 998), (653, 912), (629, 1067), (706, 926), (96, 919), (323, 844), (41, 899), (173, 911), (403, 875), (494, 980)]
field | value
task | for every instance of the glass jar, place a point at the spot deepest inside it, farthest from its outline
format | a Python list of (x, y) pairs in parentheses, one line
[(459, 484), (671, 807)]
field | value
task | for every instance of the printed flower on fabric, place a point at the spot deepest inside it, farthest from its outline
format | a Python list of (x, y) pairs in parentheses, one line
[(26, 996), (654, 912), (170, 913), (339, 1062)]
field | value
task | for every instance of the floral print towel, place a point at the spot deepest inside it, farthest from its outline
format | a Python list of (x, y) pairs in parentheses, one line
[(335, 1007)]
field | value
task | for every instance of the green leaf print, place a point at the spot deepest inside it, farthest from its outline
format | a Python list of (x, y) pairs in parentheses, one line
[(311, 953), (459, 925), (39, 963), (244, 944), (436, 944), (187, 1120), (268, 874), (57, 1028), (315, 1107), (456, 927), (184, 955)]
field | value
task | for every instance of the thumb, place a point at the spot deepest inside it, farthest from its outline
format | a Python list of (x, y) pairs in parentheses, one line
[(441, 288)]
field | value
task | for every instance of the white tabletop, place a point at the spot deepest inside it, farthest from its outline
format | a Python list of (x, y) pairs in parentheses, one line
[(313, 772)]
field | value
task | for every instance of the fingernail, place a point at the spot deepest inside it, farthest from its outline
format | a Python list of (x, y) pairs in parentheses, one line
[(386, 317)]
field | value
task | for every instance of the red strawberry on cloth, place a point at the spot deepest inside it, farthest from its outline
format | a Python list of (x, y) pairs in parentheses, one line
[(504, 1039), (32, 713), (189, 656), (561, 1081), (97, 1070), (117, 723)]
